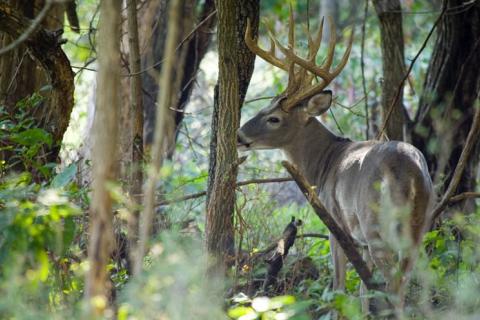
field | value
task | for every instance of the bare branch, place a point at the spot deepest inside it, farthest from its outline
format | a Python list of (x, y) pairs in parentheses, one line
[(463, 196), (239, 184)]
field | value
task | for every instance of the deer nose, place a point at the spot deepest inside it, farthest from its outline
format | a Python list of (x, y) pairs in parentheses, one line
[(241, 141)]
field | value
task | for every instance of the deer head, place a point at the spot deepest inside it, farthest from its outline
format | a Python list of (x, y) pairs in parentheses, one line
[(304, 98)]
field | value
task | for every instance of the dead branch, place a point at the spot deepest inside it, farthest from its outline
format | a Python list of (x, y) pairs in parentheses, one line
[(464, 196), (272, 246), (275, 261), (344, 239)]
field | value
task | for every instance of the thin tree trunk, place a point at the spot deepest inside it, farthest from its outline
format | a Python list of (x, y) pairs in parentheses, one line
[(159, 139), (193, 42), (136, 179), (235, 69), (391, 30), (104, 149)]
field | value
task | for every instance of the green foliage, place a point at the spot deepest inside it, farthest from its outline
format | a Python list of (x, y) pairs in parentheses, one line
[(454, 264), (37, 231), (174, 285), (21, 140), (265, 308)]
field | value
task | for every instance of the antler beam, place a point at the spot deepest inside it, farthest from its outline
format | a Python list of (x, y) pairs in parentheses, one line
[(301, 71)]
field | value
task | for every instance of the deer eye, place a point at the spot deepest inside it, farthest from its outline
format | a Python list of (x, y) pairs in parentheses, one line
[(273, 119)]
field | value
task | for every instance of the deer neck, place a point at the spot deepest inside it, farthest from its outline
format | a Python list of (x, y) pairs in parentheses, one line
[(314, 151)]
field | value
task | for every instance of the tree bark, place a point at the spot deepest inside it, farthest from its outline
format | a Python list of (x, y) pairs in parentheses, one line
[(391, 31), (163, 125), (192, 44), (235, 69), (447, 105), (136, 105), (21, 77), (105, 131)]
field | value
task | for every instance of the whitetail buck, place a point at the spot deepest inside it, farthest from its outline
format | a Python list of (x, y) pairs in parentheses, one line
[(379, 192)]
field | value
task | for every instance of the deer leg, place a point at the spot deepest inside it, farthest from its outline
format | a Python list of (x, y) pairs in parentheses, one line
[(339, 261), (363, 288), (384, 259)]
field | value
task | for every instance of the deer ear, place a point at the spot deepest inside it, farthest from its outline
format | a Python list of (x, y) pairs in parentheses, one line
[(319, 103)]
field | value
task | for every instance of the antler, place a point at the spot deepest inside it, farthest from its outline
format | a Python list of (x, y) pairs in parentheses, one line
[(301, 72)]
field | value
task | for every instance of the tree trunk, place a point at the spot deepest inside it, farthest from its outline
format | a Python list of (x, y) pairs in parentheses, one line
[(21, 75), (136, 105), (235, 69), (105, 125), (450, 93), (163, 125), (391, 31), (191, 48)]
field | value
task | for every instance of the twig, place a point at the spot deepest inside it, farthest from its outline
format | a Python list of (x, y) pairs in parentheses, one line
[(239, 184), (312, 235), (344, 239), (350, 108), (336, 122), (259, 98), (405, 77)]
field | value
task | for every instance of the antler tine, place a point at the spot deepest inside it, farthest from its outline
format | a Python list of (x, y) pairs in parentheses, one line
[(272, 46), (268, 56), (345, 57), (331, 45), (291, 30), (310, 66), (301, 71), (314, 44), (312, 90)]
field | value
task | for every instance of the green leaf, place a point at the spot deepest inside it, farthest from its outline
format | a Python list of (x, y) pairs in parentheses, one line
[(31, 137), (242, 311), (68, 233), (65, 177)]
